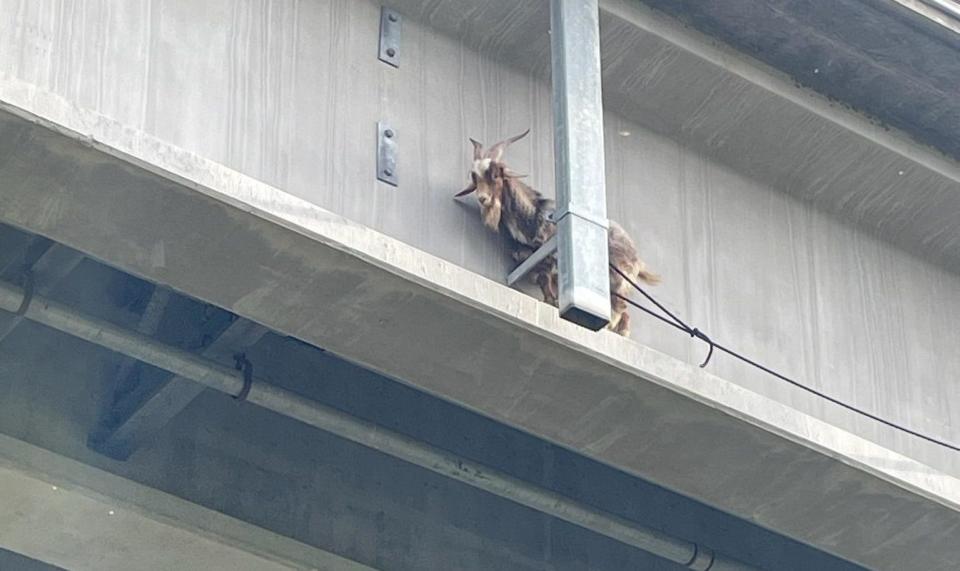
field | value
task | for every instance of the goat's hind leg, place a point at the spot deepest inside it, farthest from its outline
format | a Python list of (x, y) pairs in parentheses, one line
[(623, 325), (619, 317)]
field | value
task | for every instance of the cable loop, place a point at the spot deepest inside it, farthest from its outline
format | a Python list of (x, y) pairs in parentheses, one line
[(703, 337), (677, 323)]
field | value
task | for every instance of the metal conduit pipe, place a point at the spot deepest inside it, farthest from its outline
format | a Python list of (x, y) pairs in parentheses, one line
[(231, 382)]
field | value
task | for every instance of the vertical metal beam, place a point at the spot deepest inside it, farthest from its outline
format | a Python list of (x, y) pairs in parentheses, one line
[(581, 192)]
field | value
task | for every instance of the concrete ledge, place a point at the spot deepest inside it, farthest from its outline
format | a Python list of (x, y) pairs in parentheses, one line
[(777, 83), (929, 10), (65, 513), (178, 219)]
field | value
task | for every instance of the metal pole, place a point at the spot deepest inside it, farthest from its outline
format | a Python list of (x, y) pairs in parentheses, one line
[(581, 191), (229, 381)]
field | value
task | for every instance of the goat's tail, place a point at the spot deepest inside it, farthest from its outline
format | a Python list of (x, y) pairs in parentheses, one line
[(648, 277)]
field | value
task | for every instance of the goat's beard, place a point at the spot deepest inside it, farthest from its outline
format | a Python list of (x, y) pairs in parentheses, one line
[(491, 215)]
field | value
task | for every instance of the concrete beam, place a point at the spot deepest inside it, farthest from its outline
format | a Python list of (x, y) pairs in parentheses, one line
[(71, 515), (50, 268), (12, 255), (18, 562), (943, 12), (148, 325), (137, 419), (444, 330)]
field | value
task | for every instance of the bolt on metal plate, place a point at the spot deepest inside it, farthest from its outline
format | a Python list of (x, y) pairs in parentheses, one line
[(390, 36), (386, 154)]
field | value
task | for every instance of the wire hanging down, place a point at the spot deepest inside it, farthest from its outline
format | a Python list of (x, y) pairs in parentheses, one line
[(674, 321)]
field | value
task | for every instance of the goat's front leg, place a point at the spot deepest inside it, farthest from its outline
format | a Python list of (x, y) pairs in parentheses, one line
[(543, 274), (545, 281)]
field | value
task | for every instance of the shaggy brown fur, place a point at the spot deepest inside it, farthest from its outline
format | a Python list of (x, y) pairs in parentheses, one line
[(522, 216)]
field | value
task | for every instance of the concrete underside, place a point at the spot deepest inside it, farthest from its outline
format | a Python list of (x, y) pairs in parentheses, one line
[(288, 479), (18, 562), (783, 224), (800, 95), (722, 147), (68, 514), (174, 218), (886, 58)]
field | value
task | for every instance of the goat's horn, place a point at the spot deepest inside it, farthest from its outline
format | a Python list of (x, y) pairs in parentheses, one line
[(496, 152), (467, 190), (477, 150)]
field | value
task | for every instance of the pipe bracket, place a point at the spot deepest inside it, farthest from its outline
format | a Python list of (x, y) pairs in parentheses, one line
[(703, 559), (28, 287), (243, 364)]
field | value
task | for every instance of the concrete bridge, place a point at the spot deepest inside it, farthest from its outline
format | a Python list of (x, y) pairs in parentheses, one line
[(190, 207)]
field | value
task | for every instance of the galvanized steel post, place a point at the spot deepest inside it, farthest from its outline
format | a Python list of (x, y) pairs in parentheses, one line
[(581, 192)]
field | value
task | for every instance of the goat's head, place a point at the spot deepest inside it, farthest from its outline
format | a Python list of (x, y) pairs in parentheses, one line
[(488, 177)]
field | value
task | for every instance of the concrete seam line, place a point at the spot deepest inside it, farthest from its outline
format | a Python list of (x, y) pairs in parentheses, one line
[(286, 403)]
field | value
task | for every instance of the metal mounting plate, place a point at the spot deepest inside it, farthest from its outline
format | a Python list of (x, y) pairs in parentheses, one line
[(386, 154), (390, 22)]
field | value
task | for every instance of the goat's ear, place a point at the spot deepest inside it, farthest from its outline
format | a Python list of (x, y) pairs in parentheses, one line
[(477, 150), (496, 152), (467, 190), (510, 174)]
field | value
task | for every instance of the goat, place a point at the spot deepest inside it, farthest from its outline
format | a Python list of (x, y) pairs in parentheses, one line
[(522, 216)]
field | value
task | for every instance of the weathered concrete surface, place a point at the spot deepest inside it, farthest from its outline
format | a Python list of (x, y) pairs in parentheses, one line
[(260, 100), (943, 12), (230, 240), (885, 58), (71, 515), (284, 476), (759, 202), (721, 105), (18, 562)]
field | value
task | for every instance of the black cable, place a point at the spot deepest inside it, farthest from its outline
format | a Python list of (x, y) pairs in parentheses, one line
[(676, 322)]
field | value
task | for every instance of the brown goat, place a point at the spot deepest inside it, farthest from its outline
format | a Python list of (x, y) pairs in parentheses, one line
[(523, 217)]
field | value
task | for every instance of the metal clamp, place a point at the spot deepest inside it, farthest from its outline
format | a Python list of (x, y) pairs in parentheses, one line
[(241, 363), (28, 287), (703, 559)]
